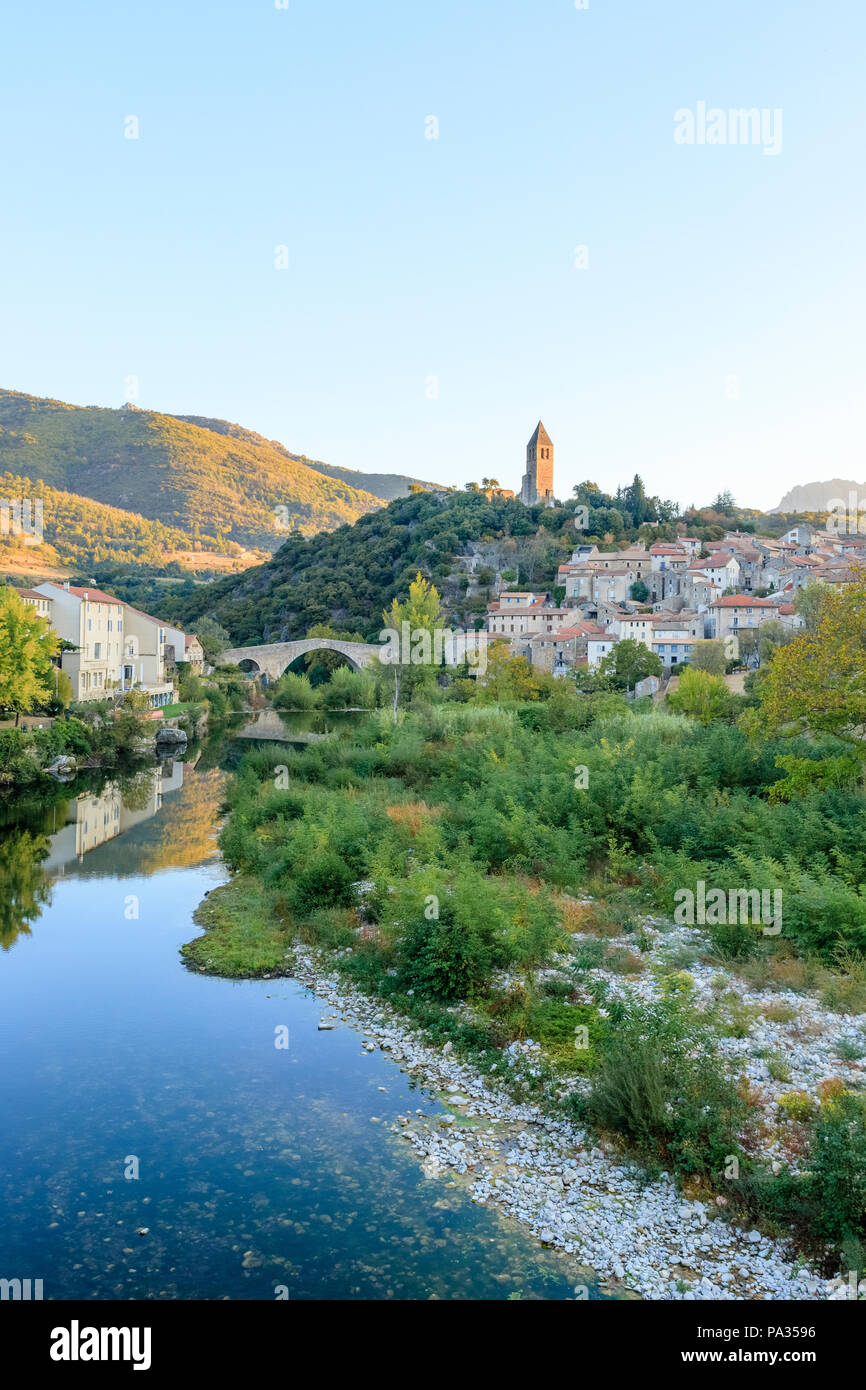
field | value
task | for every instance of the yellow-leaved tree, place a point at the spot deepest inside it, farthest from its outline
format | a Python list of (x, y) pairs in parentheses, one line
[(409, 651), (818, 681), (27, 644)]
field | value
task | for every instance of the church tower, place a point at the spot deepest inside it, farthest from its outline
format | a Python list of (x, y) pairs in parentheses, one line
[(537, 483)]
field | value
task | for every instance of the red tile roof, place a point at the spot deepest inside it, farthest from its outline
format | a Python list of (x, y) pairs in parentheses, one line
[(743, 601), (92, 594)]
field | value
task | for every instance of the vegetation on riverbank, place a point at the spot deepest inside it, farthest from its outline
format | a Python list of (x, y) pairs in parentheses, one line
[(470, 863), (244, 937), (93, 735)]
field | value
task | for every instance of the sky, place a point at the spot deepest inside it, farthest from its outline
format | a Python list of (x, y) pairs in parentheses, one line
[(356, 228)]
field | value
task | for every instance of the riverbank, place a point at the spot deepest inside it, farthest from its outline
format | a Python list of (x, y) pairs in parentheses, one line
[(266, 1172), (572, 1191), (433, 866)]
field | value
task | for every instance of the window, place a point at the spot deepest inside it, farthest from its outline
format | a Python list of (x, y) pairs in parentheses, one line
[(97, 651)]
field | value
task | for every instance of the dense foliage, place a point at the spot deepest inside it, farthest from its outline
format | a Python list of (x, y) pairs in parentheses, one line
[(207, 478)]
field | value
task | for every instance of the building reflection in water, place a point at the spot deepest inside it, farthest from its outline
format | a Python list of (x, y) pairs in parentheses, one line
[(92, 819)]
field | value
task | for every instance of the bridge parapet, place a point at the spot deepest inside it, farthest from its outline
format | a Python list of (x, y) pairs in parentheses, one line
[(272, 658)]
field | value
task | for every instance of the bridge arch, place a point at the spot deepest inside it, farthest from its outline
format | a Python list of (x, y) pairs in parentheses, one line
[(274, 658)]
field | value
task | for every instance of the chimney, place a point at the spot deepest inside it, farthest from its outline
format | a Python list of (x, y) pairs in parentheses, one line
[(66, 585)]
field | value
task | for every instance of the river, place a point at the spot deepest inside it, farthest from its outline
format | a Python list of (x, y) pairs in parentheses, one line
[(155, 1143)]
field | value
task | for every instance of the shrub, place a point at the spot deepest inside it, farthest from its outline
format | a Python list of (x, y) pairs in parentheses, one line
[(294, 692), (660, 1086), (452, 955), (796, 1105), (837, 1182), (325, 881)]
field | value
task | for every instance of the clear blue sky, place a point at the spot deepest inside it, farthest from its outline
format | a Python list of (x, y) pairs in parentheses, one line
[(452, 258)]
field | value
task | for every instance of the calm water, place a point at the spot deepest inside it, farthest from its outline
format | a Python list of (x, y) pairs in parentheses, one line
[(258, 1167)]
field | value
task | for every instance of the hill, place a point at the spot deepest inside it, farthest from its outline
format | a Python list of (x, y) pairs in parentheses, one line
[(78, 533), (816, 497), (387, 486), (346, 577), (209, 479)]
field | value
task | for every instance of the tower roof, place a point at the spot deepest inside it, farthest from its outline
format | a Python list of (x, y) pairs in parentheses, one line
[(540, 433)]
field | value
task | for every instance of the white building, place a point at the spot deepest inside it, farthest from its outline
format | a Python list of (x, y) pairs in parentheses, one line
[(93, 622)]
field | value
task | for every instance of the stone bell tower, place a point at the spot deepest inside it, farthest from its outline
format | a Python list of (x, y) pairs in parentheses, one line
[(537, 483)]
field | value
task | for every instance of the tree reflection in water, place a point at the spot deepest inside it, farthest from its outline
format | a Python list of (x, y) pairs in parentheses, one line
[(24, 889)]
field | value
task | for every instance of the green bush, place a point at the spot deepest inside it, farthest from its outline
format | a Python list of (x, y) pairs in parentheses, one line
[(325, 881), (660, 1086), (837, 1183), (453, 954), (294, 692)]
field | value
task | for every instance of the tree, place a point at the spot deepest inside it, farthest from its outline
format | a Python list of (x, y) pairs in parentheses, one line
[(507, 677), (409, 654), (701, 695), (709, 656), (809, 604), (631, 662), (639, 591), (771, 635), (213, 638), (818, 680), (724, 503), (534, 553), (636, 502), (27, 644)]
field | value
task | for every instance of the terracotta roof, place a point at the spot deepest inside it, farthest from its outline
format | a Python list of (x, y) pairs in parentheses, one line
[(743, 601), (540, 433), (92, 594), (33, 593), (717, 561)]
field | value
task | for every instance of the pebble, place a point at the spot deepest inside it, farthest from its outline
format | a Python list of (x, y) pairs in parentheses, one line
[(548, 1174)]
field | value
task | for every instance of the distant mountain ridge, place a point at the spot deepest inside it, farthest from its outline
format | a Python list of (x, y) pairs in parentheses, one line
[(816, 497), (207, 478), (387, 486)]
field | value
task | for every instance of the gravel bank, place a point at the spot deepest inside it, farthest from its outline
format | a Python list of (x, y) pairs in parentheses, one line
[(549, 1174)]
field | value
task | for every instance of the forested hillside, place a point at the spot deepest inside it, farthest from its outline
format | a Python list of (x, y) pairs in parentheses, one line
[(386, 486), (225, 484), (346, 578)]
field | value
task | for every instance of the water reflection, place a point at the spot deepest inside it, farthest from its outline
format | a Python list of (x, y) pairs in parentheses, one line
[(89, 820), (24, 889), (259, 1168), (39, 843), (295, 726)]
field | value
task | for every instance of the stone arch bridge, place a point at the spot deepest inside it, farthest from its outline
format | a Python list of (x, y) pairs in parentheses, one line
[(273, 658)]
